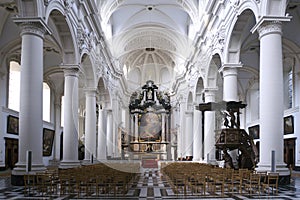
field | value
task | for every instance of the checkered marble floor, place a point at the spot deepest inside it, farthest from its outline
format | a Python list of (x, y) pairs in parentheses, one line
[(150, 184)]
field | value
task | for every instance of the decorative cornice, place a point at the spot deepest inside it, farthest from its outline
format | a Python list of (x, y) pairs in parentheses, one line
[(270, 27), (35, 26), (70, 70), (230, 67), (265, 19)]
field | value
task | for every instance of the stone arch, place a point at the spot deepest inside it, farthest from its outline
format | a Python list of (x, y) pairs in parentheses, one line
[(88, 70), (64, 31), (190, 101), (213, 78), (199, 91), (103, 94), (241, 25)]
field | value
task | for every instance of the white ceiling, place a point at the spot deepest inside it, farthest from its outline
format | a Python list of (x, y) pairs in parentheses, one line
[(143, 32)]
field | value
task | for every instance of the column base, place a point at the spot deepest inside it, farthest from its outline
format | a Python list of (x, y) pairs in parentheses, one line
[(284, 172), (69, 164), (54, 162), (17, 174)]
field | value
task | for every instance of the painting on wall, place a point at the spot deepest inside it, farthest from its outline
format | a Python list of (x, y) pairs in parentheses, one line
[(288, 124), (254, 131), (12, 124), (150, 127), (48, 137)]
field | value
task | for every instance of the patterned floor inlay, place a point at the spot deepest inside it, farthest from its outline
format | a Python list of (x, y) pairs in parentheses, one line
[(150, 184)]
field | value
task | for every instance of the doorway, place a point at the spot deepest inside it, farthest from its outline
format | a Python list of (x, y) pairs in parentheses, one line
[(11, 152), (289, 152)]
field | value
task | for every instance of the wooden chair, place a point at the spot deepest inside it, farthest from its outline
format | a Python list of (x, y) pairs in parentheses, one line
[(236, 182), (197, 183), (216, 181), (29, 184), (271, 182), (253, 183)]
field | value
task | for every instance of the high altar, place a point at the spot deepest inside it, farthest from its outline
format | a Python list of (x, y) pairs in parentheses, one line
[(149, 133)]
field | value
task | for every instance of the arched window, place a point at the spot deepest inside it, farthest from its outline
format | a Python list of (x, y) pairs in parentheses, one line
[(14, 86), (46, 102)]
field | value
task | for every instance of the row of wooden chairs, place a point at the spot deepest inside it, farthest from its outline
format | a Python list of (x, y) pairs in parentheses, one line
[(206, 179), (97, 179)]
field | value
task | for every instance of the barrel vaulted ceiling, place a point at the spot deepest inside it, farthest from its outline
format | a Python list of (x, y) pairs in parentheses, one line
[(150, 35)]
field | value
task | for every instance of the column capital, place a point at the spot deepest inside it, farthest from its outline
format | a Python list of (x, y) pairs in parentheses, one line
[(90, 91), (270, 24), (189, 112), (70, 70), (33, 26), (210, 94), (230, 68)]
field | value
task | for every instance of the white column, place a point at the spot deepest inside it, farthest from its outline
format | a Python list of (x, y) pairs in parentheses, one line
[(31, 98), (90, 124), (230, 84), (271, 96), (57, 108), (101, 154), (197, 129), (116, 122), (230, 93), (136, 127), (109, 133), (131, 131), (189, 134), (181, 132), (209, 130), (70, 135)]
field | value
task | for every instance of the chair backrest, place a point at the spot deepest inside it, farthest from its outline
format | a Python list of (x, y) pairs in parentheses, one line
[(273, 178)]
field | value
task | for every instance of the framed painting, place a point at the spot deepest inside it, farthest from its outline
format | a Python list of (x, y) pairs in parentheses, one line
[(12, 124), (254, 131), (48, 137), (288, 124)]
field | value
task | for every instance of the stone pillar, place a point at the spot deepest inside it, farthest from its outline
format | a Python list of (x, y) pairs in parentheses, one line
[(116, 122), (271, 96), (56, 147), (90, 124), (136, 127), (197, 139), (230, 93), (189, 134), (70, 137), (109, 133), (31, 98), (181, 133), (209, 130), (131, 131), (101, 154), (230, 84)]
